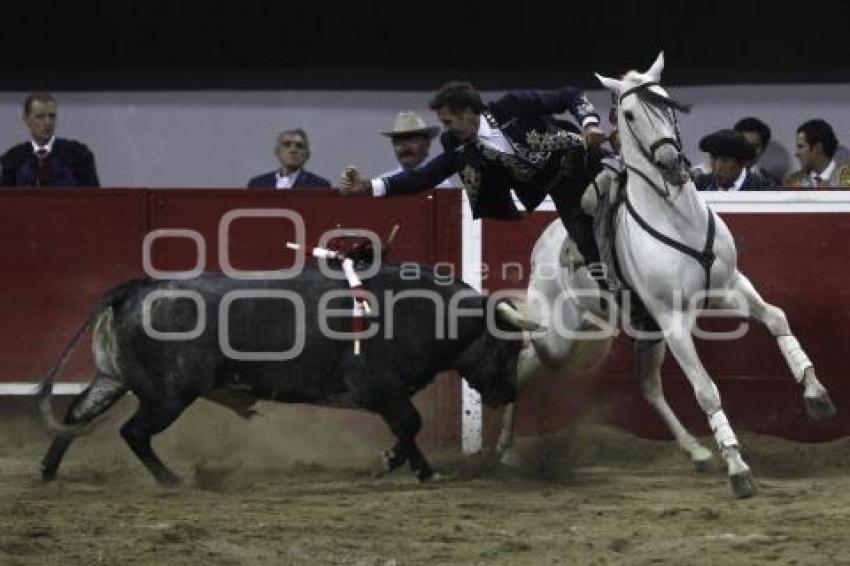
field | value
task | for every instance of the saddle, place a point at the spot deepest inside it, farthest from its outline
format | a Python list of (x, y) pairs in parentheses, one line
[(602, 199)]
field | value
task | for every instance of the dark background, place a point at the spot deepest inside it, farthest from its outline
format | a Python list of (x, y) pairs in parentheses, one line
[(103, 45)]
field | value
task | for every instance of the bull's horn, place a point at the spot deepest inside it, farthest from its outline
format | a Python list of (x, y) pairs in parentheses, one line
[(510, 315)]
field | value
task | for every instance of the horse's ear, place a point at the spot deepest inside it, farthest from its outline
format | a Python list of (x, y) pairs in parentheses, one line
[(654, 72), (613, 85)]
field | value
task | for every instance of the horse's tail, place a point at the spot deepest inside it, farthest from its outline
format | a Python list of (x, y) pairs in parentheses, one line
[(100, 318)]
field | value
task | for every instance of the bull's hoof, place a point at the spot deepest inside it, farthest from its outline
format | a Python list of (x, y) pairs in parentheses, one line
[(510, 458), (169, 479), (820, 408), (743, 485), (48, 473), (430, 477)]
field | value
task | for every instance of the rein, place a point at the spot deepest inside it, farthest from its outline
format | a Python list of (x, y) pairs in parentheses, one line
[(704, 257)]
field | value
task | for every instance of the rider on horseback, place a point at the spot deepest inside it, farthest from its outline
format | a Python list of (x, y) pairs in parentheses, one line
[(512, 143)]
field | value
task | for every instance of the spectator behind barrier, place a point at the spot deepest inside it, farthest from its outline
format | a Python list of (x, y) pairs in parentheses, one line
[(411, 141), (730, 153), (757, 134), (816, 145), (292, 150), (45, 160)]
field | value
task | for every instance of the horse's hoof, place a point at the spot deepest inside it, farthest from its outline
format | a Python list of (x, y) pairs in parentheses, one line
[(510, 458), (703, 465), (743, 485), (702, 459), (820, 408), (383, 466)]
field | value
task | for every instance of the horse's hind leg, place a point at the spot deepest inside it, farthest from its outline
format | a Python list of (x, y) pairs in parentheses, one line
[(99, 396), (677, 329), (648, 357), (815, 395)]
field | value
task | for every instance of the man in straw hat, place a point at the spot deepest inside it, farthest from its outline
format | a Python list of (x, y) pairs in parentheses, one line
[(514, 143), (411, 140)]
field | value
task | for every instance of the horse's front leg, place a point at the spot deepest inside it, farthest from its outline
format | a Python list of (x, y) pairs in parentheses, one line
[(505, 444), (815, 396), (677, 330)]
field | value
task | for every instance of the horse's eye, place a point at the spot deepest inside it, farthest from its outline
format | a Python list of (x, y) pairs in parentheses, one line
[(629, 116)]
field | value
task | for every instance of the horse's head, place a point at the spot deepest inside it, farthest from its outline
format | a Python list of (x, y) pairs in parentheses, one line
[(647, 121)]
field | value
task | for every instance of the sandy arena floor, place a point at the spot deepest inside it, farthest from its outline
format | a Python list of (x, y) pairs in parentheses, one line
[(279, 490)]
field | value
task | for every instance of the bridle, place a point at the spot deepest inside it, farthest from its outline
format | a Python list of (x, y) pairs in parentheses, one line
[(649, 102)]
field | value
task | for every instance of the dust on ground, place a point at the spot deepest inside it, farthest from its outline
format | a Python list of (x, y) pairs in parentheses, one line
[(292, 488)]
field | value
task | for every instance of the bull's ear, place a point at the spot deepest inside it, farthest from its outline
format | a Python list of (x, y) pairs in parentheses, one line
[(654, 71), (613, 85)]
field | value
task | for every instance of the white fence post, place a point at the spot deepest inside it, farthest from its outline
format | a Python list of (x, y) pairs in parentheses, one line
[(471, 417)]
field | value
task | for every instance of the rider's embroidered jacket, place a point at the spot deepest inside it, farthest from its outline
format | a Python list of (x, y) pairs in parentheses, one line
[(545, 151)]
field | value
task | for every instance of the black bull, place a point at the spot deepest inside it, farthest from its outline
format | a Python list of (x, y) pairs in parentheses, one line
[(168, 375)]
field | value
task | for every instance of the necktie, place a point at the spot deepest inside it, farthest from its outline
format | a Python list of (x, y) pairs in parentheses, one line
[(818, 181), (42, 170)]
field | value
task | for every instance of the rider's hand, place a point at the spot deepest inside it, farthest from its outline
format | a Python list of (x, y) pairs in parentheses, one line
[(593, 135), (351, 183)]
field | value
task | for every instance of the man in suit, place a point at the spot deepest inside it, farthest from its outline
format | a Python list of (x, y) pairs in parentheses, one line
[(730, 153), (757, 134), (45, 160), (512, 143), (293, 151), (816, 145)]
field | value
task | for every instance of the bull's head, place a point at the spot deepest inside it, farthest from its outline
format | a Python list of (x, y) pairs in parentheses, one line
[(493, 372)]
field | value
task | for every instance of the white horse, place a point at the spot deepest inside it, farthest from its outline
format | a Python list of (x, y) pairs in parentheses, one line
[(677, 256)]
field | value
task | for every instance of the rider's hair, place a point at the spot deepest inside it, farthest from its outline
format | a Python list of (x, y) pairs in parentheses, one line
[(456, 97), (751, 124), (819, 131)]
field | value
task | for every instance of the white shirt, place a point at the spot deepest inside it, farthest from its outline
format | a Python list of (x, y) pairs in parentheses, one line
[(449, 183), (736, 186), (493, 137), (824, 175), (285, 181), (48, 146)]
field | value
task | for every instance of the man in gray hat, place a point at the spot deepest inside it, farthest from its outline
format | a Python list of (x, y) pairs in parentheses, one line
[(411, 140)]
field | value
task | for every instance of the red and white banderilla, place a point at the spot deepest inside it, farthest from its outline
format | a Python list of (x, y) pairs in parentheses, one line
[(361, 304)]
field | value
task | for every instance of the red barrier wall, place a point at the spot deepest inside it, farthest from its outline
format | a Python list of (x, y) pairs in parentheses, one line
[(63, 249)]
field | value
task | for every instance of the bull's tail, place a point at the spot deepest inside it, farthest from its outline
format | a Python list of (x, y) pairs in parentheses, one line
[(101, 319)]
